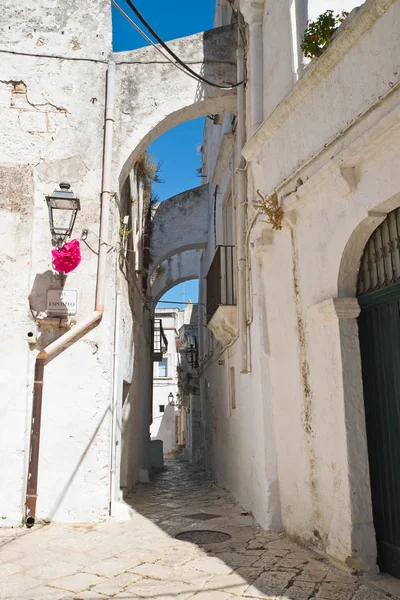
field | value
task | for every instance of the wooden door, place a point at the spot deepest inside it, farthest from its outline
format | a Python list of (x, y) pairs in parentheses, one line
[(379, 330)]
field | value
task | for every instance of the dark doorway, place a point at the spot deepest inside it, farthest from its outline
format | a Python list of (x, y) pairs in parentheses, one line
[(379, 330)]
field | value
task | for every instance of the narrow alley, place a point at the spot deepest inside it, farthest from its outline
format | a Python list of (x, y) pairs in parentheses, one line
[(221, 554)]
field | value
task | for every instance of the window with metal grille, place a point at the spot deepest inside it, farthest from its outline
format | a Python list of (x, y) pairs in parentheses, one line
[(380, 263)]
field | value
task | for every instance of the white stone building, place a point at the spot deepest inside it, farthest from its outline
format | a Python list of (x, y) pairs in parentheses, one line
[(288, 426), (75, 421), (165, 381), (281, 377)]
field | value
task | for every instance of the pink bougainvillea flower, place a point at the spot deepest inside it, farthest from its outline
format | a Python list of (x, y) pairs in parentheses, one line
[(67, 258)]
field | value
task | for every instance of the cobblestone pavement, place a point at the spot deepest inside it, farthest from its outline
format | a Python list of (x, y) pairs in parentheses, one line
[(141, 558)]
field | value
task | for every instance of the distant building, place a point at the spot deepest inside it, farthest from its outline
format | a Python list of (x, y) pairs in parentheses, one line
[(175, 380), (165, 381)]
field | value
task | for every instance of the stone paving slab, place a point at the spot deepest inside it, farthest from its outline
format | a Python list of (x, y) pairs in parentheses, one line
[(141, 559)]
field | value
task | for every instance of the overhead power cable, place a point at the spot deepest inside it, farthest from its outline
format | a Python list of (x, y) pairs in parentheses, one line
[(179, 63), (164, 45), (176, 302), (146, 37)]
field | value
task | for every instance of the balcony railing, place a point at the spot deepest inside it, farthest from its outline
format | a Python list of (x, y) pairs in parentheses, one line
[(159, 340), (221, 280)]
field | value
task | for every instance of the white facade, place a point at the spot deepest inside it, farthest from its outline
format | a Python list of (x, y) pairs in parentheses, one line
[(165, 380), (282, 390), (54, 67)]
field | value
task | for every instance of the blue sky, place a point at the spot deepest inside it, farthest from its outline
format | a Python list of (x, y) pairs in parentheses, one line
[(170, 19), (176, 150)]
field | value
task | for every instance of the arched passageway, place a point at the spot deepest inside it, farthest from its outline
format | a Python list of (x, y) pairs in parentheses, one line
[(181, 267), (154, 96), (179, 224), (176, 422), (143, 116)]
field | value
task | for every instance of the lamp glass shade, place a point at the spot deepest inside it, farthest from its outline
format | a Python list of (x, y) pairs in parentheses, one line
[(63, 208)]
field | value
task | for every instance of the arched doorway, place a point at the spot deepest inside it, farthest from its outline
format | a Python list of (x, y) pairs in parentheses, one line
[(378, 291)]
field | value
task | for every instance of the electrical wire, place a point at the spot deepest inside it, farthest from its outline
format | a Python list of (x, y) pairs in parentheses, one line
[(179, 64), (164, 45), (146, 37), (184, 303), (150, 41)]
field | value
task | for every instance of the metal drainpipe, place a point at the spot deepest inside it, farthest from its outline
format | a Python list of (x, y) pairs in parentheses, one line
[(241, 206), (114, 484), (256, 75), (85, 324)]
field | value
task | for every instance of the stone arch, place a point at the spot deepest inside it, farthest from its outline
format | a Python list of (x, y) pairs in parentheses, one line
[(351, 257), (179, 224), (342, 312), (153, 96), (180, 267)]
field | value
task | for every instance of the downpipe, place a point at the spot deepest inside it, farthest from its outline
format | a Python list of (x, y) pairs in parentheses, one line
[(256, 78), (84, 325), (241, 208), (114, 479)]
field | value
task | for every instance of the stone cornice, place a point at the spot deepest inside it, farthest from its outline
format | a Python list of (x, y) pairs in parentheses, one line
[(342, 308), (224, 324), (348, 36)]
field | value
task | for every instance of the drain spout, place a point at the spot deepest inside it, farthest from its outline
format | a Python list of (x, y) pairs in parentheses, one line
[(31, 488)]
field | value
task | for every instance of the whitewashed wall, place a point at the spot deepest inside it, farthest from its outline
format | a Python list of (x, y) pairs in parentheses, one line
[(163, 386), (328, 147), (52, 130)]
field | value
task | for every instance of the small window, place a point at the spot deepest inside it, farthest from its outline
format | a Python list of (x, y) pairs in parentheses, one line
[(161, 408), (163, 368)]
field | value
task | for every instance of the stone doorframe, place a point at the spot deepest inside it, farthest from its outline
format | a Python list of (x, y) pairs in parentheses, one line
[(340, 316), (345, 310)]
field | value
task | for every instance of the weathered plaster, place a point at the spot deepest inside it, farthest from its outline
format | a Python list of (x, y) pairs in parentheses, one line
[(51, 129), (50, 28), (329, 149), (179, 224)]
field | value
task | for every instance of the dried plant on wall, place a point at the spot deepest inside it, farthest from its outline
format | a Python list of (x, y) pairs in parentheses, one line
[(271, 207)]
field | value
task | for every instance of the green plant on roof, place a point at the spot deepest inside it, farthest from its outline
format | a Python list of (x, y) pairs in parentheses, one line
[(319, 32)]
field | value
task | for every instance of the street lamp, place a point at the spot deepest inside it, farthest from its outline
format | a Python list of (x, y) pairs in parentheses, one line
[(171, 399), (63, 208)]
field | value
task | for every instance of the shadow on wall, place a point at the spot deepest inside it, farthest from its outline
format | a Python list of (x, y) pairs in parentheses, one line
[(47, 330), (42, 283), (64, 491)]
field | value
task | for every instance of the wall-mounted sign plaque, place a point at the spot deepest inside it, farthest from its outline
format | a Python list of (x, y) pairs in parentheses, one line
[(62, 302)]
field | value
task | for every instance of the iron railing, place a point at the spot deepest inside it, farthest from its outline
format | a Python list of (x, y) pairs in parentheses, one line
[(221, 280), (159, 340), (380, 263)]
